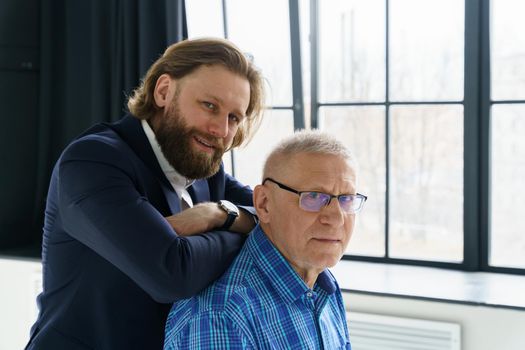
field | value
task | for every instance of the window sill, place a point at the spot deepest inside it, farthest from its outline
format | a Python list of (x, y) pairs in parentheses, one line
[(425, 283), (473, 288)]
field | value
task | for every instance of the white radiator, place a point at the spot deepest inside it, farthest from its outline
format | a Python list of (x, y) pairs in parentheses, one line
[(378, 332)]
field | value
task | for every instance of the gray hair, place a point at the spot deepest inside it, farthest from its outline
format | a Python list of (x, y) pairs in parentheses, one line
[(308, 141)]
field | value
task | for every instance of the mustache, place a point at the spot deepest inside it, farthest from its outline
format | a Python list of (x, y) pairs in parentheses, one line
[(216, 142)]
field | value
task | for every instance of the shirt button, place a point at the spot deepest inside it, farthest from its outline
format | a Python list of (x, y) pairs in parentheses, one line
[(309, 294)]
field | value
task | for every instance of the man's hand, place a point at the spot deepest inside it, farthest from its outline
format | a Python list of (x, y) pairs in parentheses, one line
[(206, 217), (201, 218)]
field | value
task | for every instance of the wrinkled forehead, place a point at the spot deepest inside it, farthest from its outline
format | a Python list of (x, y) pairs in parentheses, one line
[(312, 168)]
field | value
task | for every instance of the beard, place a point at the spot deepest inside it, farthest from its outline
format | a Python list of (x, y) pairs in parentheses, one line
[(176, 138)]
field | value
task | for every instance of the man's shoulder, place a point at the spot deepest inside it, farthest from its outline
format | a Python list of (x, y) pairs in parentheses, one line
[(234, 287), (100, 141), (191, 324), (232, 292), (99, 133), (228, 302)]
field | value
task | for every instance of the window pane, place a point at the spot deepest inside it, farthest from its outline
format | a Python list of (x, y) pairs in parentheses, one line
[(507, 238), (507, 49), (263, 29), (362, 130), (426, 192), (352, 50), (304, 21), (249, 160), (426, 50), (227, 161), (204, 18)]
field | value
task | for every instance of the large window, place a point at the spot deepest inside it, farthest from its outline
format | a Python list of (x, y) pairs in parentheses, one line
[(246, 24), (507, 134), (429, 95), (391, 87)]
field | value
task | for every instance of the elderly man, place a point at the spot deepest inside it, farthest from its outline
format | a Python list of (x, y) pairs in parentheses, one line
[(278, 293)]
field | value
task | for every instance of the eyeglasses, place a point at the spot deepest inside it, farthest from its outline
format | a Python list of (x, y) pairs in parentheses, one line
[(315, 201)]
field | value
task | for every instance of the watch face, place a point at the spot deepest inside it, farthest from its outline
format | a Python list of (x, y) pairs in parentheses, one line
[(229, 207)]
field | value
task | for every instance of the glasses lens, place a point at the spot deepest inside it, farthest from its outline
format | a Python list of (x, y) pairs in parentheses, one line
[(313, 201), (348, 203), (353, 203)]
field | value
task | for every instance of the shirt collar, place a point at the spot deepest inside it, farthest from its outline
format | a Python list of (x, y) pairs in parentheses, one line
[(279, 271), (173, 176)]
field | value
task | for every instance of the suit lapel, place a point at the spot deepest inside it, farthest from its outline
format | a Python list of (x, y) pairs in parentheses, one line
[(172, 198), (130, 130), (199, 191)]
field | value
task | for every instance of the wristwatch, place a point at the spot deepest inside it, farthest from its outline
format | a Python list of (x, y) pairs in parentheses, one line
[(232, 211)]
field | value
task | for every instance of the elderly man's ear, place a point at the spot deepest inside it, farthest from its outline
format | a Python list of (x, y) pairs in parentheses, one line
[(260, 202)]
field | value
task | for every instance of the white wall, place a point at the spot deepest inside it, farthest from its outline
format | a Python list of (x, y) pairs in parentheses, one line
[(482, 328), (20, 282)]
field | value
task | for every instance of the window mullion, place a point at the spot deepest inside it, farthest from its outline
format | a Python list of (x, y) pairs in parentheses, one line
[(473, 192), (485, 106), (295, 51), (314, 63)]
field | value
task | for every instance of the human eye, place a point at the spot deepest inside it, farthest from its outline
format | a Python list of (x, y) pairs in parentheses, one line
[(234, 118), (317, 197), (309, 201), (346, 198), (209, 105), (346, 201)]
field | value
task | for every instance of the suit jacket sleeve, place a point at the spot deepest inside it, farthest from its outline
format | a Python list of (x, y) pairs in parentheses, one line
[(102, 206), (239, 194)]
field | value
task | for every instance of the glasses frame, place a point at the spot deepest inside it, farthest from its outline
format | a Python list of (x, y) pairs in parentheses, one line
[(332, 196)]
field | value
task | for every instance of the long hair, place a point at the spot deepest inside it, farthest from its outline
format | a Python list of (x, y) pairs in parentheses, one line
[(183, 58)]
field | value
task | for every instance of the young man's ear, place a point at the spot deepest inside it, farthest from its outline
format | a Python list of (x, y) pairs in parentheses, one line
[(260, 202), (164, 89)]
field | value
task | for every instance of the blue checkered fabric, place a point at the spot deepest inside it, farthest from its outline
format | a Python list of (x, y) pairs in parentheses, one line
[(260, 303)]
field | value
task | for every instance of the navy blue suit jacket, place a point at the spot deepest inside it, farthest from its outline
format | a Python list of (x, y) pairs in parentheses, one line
[(112, 265)]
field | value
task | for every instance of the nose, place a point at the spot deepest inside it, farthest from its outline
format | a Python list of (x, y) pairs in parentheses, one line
[(332, 214), (218, 126)]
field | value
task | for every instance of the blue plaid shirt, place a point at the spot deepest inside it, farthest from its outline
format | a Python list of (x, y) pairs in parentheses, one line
[(260, 303)]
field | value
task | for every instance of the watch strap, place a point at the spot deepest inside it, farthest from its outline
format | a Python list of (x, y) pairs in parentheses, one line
[(229, 222), (231, 210)]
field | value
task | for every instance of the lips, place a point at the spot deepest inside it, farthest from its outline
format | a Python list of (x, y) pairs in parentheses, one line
[(327, 240), (208, 144), (205, 142)]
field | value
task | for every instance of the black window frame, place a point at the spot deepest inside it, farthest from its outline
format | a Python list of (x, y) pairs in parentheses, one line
[(297, 106), (476, 104)]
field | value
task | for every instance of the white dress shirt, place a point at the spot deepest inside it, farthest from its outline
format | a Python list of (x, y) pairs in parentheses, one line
[(179, 182)]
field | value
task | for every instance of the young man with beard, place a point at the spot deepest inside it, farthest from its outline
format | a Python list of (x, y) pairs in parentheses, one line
[(140, 212)]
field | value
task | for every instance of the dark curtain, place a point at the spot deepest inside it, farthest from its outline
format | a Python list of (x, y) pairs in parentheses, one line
[(93, 54)]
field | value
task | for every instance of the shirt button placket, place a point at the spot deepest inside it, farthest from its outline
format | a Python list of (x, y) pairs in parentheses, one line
[(310, 302)]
